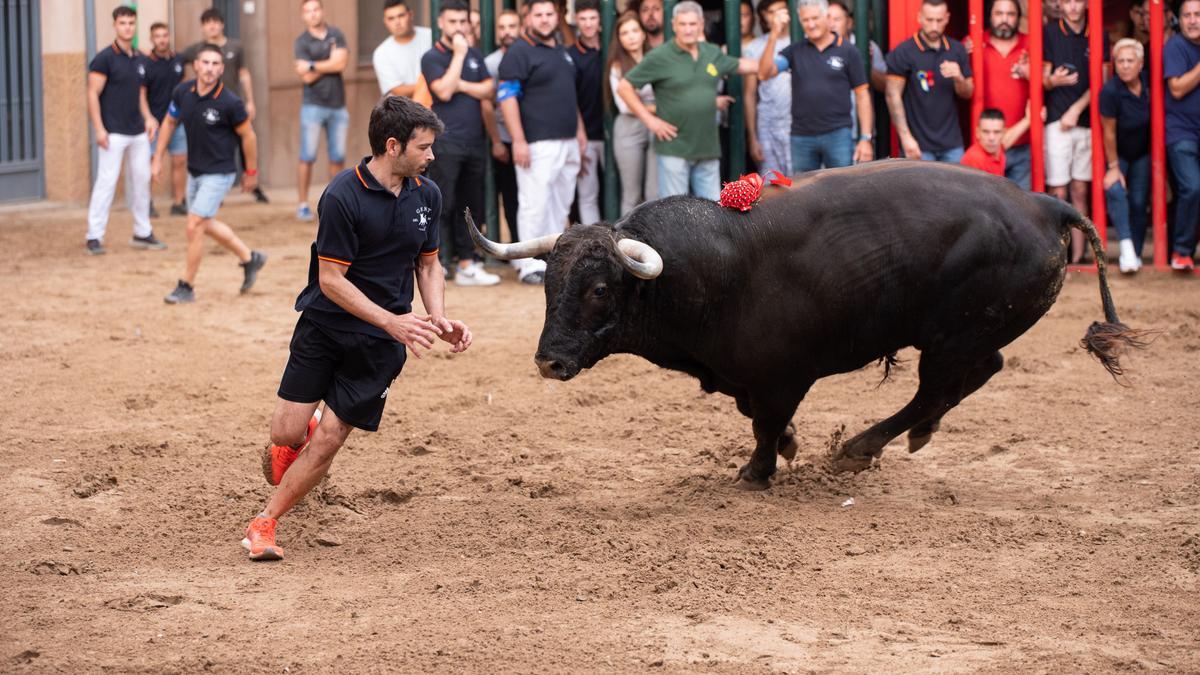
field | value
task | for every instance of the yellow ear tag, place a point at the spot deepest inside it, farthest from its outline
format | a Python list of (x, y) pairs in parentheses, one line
[(712, 70)]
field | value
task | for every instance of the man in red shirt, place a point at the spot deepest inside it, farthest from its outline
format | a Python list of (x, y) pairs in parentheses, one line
[(992, 140), (1006, 81)]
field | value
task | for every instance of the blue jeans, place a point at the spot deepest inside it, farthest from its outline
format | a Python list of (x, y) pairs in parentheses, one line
[(335, 122), (832, 150), (176, 146), (951, 156), (1018, 166), (1127, 205), (676, 173), (1184, 157)]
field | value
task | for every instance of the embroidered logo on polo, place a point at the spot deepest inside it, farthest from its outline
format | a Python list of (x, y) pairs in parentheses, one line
[(568, 58), (211, 115), (473, 63), (178, 68), (836, 62), (711, 70), (422, 218), (141, 70), (925, 80), (229, 55)]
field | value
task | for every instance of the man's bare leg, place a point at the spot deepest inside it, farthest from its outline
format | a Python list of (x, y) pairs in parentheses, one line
[(303, 178), (312, 464), (224, 236), (1080, 194), (178, 178), (195, 246)]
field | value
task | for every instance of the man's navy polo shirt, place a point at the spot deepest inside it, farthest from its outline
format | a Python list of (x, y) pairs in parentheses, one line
[(821, 84), (1183, 115), (162, 76), (588, 89), (461, 114), (120, 99), (378, 236), (1065, 47), (211, 122), (1132, 114), (542, 77), (929, 100)]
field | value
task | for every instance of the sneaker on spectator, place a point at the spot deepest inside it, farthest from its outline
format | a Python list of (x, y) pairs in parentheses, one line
[(260, 196), (475, 275), (304, 213), (182, 294), (1129, 260), (534, 278), (1182, 262), (250, 269), (147, 242), (94, 247), (448, 271), (179, 209)]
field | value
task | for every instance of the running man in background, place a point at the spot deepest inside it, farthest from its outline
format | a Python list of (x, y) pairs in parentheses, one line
[(217, 124), (378, 230)]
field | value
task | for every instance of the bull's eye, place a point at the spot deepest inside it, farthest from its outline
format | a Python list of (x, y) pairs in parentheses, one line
[(599, 291)]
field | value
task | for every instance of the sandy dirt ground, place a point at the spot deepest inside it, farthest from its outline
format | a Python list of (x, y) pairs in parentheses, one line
[(502, 522)]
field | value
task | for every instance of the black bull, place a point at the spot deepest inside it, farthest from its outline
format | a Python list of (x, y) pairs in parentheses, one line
[(846, 268)]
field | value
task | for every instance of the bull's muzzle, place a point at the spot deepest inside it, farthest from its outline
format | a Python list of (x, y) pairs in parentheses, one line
[(554, 369)]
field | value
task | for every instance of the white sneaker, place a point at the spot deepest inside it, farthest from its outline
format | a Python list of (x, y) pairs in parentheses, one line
[(475, 275), (1129, 260)]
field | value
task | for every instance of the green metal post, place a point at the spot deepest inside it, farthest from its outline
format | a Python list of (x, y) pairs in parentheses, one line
[(612, 186), (668, 31), (733, 87), (862, 35), (487, 44), (435, 7), (883, 122), (795, 30)]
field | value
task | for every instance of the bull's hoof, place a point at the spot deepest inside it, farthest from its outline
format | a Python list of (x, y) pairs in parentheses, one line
[(788, 447), (919, 438), (749, 482), (848, 463)]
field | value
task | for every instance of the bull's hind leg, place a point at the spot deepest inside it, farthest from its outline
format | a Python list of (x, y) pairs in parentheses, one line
[(920, 435), (941, 383)]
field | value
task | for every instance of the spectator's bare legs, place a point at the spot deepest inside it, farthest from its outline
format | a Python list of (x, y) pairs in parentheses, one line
[(1080, 196), (313, 463), (335, 168), (178, 178), (196, 228), (303, 178)]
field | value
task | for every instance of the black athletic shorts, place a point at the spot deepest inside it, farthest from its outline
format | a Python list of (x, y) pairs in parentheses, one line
[(351, 372)]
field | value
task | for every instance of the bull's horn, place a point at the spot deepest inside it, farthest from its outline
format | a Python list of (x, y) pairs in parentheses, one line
[(640, 259), (520, 249)]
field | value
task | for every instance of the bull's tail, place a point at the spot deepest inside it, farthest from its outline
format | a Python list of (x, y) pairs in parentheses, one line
[(1108, 340)]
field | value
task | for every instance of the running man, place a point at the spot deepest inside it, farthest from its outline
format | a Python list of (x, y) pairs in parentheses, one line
[(378, 225), (216, 123), (121, 120)]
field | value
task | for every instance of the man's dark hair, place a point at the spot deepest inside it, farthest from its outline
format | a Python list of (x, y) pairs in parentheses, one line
[(396, 3), (454, 6), (1015, 2), (531, 3), (763, 18), (991, 114), (123, 10), (158, 24), (582, 5), (844, 5), (398, 117), (212, 14), (934, 3), (209, 47)]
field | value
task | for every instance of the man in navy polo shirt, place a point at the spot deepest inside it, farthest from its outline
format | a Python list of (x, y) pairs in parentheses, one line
[(164, 71), (378, 229), (1181, 67), (121, 120), (1065, 76), (825, 69), (925, 74), (538, 100), (589, 92), (462, 98), (217, 123)]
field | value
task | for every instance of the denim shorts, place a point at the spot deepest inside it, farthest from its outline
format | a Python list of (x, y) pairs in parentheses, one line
[(177, 145), (335, 121), (206, 191)]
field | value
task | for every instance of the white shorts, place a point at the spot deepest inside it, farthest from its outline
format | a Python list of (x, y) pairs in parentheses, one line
[(1068, 155)]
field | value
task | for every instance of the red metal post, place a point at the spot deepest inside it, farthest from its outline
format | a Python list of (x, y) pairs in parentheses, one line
[(975, 32), (1037, 95), (1096, 75), (1158, 146)]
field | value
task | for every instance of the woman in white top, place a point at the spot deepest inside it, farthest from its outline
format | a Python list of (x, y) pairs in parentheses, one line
[(633, 144)]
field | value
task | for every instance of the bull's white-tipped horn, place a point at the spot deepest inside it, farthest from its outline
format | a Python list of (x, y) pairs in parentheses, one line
[(520, 249), (640, 259)]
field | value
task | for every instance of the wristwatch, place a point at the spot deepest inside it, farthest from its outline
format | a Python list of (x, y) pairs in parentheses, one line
[(311, 66), (865, 137)]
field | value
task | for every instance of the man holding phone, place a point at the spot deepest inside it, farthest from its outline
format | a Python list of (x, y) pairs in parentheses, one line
[(1068, 126)]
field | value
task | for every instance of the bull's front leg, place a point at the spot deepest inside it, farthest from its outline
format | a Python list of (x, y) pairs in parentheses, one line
[(772, 418)]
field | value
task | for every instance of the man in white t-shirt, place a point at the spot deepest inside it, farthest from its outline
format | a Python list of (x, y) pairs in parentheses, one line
[(397, 59)]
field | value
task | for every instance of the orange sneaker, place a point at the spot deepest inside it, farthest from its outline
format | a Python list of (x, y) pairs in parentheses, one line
[(277, 458), (260, 539)]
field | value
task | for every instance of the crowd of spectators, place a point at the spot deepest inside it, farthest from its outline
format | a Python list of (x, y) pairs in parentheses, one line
[(536, 106)]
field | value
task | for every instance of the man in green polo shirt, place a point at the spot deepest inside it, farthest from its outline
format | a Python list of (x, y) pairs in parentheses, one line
[(684, 74)]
